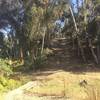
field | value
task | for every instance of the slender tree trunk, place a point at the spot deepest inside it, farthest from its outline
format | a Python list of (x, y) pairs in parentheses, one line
[(77, 32), (98, 52), (47, 37), (81, 49), (92, 51), (73, 42), (33, 54), (43, 39), (82, 3), (21, 55), (78, 6)]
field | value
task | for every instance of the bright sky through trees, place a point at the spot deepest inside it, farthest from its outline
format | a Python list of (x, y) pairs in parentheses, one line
[(74, 2)]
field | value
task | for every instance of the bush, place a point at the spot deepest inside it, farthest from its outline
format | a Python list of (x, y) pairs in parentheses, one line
[(13, 84), (8, 84), (1, 87), (5, 67), (3, 81), (39, 61), (5, 71)]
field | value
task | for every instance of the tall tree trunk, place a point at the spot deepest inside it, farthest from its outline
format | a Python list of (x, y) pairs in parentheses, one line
[(92, 51), (81, 49), (98, 52), (78, 6), (43, 39), (21, 55), (47, 37), (33, 54), (77, 32)]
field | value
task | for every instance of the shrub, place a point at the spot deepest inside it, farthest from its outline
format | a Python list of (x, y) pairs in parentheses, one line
[(1, 87), (5, 67), (3, 81), (13, 84), (8, 84), (39, 61)]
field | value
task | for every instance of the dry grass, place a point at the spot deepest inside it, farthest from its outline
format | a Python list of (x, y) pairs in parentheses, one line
[(61, 84), (93, 91), (66, 84)]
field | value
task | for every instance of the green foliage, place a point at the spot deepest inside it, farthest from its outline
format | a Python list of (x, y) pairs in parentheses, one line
[(13, 84), (3, 81), (5, 67), (1, 87), (8, 84), (39, 61), (33, 20)]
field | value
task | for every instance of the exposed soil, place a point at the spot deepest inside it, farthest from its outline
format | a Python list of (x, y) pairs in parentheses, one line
[(64, 58)]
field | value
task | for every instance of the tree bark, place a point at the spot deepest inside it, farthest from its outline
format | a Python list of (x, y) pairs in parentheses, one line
[(98, 52), (43, 39), (92, 51), (77, 32), (21, 55)]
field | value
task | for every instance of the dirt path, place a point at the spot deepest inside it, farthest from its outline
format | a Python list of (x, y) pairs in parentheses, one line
[(15, 94), (64, 58)]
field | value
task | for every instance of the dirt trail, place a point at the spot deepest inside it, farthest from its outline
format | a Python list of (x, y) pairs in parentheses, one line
[(64, 58), (63, 55)]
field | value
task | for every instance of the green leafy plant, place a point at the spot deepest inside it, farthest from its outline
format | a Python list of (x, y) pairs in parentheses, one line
[(8, 84), (39, 61), (5, 67)]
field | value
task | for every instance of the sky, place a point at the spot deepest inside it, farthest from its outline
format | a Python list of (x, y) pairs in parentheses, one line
[(75, 4), (5, 30), (75, 1)]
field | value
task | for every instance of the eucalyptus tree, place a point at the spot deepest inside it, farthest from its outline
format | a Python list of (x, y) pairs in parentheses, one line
[(35, 26), (88, 27), (10, 15), (12, 12), (92, 26)]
